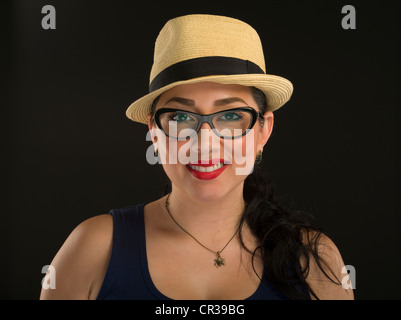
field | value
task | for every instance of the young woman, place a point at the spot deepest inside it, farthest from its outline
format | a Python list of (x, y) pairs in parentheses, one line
[(217, 233)]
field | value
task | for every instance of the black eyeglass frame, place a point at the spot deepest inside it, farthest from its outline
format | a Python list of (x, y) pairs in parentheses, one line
[(202, 118)]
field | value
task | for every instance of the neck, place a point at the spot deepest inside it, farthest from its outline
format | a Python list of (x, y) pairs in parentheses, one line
[(209, 219)]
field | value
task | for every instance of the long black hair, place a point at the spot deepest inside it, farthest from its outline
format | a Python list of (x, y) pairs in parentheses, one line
[(285, 235)]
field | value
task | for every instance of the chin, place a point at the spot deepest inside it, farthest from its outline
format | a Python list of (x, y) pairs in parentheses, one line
[(208, 193), (211, 191)]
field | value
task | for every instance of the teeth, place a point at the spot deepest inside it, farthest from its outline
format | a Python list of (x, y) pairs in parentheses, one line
[(207, 169)]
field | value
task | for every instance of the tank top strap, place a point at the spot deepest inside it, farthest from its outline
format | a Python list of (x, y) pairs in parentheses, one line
[(124, 277)]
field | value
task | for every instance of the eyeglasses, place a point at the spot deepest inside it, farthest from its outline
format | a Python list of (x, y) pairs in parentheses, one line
[(227, 124)]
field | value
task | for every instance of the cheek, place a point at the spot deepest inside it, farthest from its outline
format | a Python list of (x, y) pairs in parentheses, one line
[(172, 152), (244, 148), (172, 160), (244, 153), (172, 155)]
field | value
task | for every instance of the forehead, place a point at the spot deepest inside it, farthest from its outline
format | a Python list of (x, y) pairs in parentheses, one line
[(206, 96)]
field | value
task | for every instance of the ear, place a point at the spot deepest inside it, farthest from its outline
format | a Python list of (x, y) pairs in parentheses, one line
[(266, 130), (150, 126)]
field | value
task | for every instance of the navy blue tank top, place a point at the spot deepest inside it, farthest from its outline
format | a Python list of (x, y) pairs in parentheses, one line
[(127, 276)]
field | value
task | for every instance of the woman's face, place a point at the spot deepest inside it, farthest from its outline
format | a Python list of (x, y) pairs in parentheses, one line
[(212, 180)]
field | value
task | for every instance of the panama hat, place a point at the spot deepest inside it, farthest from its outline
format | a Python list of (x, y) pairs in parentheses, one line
[(201, 47)]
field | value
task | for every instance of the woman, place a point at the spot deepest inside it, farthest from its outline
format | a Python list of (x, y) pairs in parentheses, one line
[(217, 233)]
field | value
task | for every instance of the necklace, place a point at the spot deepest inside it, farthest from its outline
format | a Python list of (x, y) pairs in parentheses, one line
[(219, 261)]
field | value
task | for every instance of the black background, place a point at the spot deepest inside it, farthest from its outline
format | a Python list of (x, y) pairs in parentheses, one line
[(69, 152)]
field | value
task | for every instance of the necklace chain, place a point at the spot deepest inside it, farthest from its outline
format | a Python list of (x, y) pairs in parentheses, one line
[(219, 261)]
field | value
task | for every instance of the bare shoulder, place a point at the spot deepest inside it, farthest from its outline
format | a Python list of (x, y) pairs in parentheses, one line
[(325, 274), (81, 262)]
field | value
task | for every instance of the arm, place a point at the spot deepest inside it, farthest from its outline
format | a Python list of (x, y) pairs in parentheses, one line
[(82, 261)]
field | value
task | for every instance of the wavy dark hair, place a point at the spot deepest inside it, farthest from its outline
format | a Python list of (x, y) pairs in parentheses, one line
[(285, 235)]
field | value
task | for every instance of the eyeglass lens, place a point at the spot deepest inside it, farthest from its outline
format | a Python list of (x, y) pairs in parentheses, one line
[(228, 124)]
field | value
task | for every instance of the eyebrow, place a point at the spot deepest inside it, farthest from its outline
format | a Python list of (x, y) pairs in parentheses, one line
[(184, 101), (225, 101), (191, 103)]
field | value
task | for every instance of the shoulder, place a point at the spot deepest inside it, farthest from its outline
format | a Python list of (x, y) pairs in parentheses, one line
[(81, 262), (93, 233), (326, 268), (95, 228)]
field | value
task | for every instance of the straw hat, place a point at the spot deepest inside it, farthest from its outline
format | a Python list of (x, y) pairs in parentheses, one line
[(199, 47)]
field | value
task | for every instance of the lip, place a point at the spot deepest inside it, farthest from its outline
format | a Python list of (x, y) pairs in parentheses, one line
[(207, 175)]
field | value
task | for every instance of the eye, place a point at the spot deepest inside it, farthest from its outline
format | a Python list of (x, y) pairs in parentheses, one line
[(230, 116), (180, 117)]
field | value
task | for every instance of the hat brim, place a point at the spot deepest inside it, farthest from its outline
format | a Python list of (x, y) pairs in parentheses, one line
[(278, 91)]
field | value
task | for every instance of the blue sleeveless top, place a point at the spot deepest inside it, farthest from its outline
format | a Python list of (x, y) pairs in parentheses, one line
[(127, 276)]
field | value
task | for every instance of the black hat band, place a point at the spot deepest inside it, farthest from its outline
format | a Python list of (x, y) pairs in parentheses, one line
[(202, 67)]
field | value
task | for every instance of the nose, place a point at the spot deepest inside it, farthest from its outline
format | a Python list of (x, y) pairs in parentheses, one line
[(208, 142), (205, 125)]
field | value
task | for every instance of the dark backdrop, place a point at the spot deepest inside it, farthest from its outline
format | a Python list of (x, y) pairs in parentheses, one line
[(69, 152)]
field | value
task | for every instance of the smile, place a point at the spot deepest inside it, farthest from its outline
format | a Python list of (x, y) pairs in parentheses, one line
[(208, 170)]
